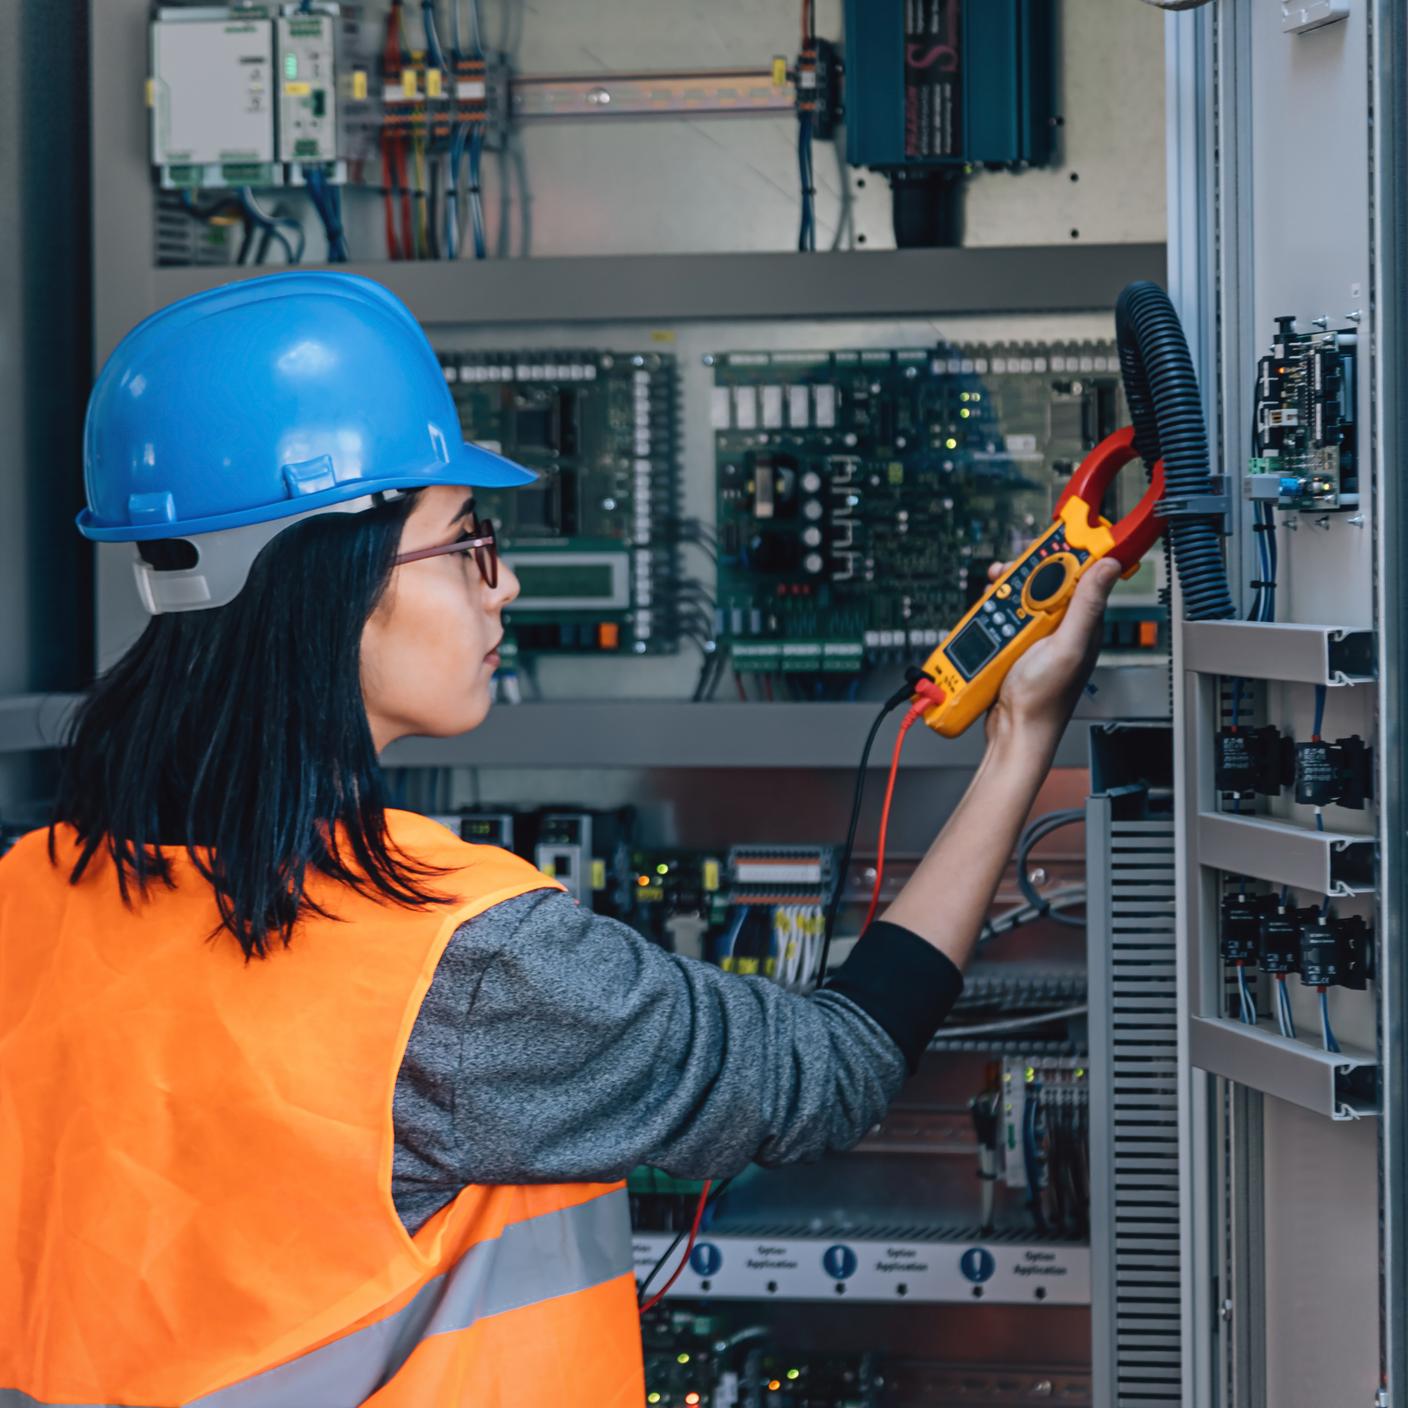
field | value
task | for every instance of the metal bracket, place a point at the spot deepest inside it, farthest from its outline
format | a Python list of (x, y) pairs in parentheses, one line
[(1216, 504)]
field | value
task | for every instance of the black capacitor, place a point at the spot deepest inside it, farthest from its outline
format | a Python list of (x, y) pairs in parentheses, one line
[(1319, 952), (1241, 923), (1279, 941)]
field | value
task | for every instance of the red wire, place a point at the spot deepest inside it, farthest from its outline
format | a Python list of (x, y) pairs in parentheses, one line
[(407, 224), (388, 174), (927, 700), (688, 1248)]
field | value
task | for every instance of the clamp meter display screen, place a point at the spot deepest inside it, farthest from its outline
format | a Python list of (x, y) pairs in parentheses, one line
[(971, 649)]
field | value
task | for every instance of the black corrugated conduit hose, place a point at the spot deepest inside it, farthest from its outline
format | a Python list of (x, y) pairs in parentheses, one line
[(1162, 390)]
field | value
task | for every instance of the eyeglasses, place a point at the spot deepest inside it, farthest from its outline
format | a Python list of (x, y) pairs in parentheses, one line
[(481, 542)]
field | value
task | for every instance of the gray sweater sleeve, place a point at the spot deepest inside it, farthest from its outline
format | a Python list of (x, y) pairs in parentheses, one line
[(555, 1044)]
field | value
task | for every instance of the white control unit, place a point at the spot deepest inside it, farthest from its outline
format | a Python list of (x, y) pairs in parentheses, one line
[(212, 94)]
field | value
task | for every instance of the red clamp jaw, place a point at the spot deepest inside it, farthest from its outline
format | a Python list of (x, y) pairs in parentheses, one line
[(1140, 528)]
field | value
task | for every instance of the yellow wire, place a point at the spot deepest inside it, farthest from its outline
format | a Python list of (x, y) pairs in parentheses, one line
[(421, 246)]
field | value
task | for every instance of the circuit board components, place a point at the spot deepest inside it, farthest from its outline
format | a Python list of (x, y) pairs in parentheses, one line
[(1304, 440), (862, 495), (593, 541)]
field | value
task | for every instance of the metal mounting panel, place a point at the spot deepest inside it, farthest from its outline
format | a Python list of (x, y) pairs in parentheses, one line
[(1291, 1070), (1326, 862), (1294, 653)]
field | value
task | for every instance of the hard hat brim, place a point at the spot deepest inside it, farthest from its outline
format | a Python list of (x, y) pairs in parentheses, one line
[(473, 468)]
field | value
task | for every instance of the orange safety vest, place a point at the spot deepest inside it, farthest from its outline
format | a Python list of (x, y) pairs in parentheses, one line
[(195, 1165)]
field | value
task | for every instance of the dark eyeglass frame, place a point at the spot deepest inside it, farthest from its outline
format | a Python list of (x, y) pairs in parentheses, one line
[(484, 545)]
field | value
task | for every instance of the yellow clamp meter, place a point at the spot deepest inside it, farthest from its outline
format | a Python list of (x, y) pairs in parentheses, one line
[(1029, 600)]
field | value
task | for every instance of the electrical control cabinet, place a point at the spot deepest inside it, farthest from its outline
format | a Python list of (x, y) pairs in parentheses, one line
[(213, 97), (833, 451), (1289, 787)]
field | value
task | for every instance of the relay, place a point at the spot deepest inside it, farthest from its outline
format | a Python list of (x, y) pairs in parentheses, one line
[(1335, 952), (1252, 760), (1279, 941), (1241, 926), (1337, 772), (1353, 939), (1319, 952)]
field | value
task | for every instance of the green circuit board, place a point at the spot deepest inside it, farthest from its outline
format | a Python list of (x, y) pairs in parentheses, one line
[(862, 495), (592, 540)]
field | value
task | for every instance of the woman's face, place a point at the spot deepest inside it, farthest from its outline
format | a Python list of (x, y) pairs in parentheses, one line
[(429, 648)]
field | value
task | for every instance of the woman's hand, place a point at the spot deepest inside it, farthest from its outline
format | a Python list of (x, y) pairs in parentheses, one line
[(1042, 688)]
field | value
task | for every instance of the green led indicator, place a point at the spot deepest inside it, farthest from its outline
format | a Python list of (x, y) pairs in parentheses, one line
[(662, 869), (290, 66)]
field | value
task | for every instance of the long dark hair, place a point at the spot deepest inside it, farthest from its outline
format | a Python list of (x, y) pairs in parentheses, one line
[(240, 734)]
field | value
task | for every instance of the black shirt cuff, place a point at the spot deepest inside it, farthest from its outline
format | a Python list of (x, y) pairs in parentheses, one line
[(903, 982)]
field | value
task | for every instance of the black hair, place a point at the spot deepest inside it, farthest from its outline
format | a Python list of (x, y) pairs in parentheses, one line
[(239, 733)]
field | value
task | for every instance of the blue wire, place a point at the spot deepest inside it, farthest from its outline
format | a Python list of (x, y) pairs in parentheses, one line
[(1273, 553), (1029, 1154), (806, 234), (327, 202), (452, 193), (432, 36), (1248, 1007), (1331, 1045), (1270, 559), (730, 940), (1320, 693), (476, 203)]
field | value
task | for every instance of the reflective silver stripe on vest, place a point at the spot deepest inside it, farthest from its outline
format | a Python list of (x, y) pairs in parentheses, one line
[(539, 1259)]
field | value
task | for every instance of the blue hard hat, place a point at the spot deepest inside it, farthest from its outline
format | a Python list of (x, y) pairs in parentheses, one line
[(268, 399)]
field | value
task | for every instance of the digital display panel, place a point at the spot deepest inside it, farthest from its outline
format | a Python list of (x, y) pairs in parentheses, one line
[(971, 649), (563, 580)]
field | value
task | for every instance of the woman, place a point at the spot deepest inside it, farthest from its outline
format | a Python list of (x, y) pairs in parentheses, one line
[(303, 1100)]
